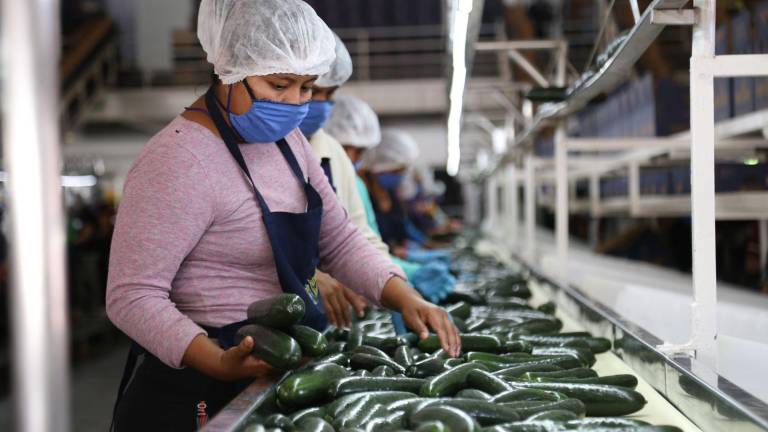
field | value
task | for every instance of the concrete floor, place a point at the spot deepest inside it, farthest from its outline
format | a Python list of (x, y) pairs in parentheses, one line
[(94, 388)]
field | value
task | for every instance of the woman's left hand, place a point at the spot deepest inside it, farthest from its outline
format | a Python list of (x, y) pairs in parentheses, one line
[(420, 315)]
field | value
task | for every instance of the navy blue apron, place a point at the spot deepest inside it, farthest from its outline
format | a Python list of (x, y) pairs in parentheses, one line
[(294, 238), (325, 163)]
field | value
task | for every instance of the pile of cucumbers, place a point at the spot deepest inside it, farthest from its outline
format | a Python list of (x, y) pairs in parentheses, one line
[(278, 337), (518, 373)]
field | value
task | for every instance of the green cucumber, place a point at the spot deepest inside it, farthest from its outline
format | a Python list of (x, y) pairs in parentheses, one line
[(621, 380), (522, 394), (344, 386), (370, 362), (403, 356), (605, 422), (460, 324), (367, 349), (358, 421), (602, 425), (471, 393), (487, 382), (406, 405), (281, 311), (486, 413), (567, 373), (597, 345), (362, 373), (600, 400), (312, 412), (313, 424), (278, 421), (428, 367), (538, 326), (352, 413), (469, 342), (496, 358), (563, 362), (308, 387), (448, 382), (516, 346), (548, 308), (453, 362), (517, 370), (341, 359), (354, 338), (311, 341), (337, 347), (333, 409), (556, 415), (273, 346), (382, 371), (461, 310), (530, 408), (584, 355), (434, 426), (453, 418), (471, 297)]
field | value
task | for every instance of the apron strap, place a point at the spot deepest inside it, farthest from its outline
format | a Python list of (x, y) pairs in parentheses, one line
[(325, 163), (130, 366)]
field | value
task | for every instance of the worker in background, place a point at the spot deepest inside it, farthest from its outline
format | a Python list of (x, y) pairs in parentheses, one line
[(356, 126), (225, 206), (383, 170), (338, 300), (421, 192)]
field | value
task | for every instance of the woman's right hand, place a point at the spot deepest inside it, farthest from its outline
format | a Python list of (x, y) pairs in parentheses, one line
[(237, 363), (233, 364)]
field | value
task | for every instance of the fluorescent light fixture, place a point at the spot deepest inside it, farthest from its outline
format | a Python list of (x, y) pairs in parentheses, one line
[(83, 181), (499, 140), (458, 36), (751, 161)]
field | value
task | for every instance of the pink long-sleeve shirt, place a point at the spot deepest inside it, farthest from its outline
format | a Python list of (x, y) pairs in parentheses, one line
[(190, 246)]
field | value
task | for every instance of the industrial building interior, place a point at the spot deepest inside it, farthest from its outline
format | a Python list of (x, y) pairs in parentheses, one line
[(613, 152)]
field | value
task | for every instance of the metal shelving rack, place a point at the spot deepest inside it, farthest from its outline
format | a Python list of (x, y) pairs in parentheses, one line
[(703, 205)]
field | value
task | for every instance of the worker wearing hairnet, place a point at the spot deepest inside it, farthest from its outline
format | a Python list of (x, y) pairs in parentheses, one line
[(226, 206), (356, 126), (338, 299), (421, 192), (385, 168)]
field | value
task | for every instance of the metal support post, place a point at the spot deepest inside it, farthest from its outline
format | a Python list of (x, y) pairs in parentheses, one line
[(594, 210), (763, 228), (31, 137), (491, 202), (634, 188), (561, 200), (530, 207), (512, 211), (704, 313)]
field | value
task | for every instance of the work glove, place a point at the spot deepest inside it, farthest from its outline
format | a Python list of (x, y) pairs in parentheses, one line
[(434, 281), (424, 256)]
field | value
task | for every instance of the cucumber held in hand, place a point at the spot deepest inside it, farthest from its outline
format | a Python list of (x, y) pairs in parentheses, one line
[(311, 341), (273, 346), (281, 311)]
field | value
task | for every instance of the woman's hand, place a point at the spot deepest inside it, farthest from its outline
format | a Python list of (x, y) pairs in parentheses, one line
[(233, 364), (338, 300), (420, 315)]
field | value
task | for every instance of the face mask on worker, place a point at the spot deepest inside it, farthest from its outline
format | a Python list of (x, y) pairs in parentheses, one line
[(390, 181), (319, 113), (266, 121)]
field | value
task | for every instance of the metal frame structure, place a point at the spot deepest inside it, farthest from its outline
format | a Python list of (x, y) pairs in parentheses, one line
[(709, 138), (31, 138)]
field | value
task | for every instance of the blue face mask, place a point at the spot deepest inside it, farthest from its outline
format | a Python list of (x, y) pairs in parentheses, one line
[(266, 121), (319, 112), (357, 165), (390, 181)]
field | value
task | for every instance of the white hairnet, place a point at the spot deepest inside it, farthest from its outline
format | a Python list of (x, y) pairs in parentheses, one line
[(421, 178), (341, 69), (397, 150), (354, 123), (262, 37)]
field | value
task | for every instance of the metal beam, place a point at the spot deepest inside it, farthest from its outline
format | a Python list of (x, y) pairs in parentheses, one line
[(535, 45), (31, 140), (530, 69), (530, 208)]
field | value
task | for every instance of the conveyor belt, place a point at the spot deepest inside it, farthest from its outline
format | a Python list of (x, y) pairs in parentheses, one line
[(658, 410)]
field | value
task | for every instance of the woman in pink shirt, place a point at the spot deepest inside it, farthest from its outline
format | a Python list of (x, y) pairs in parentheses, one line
[(226, 205)]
